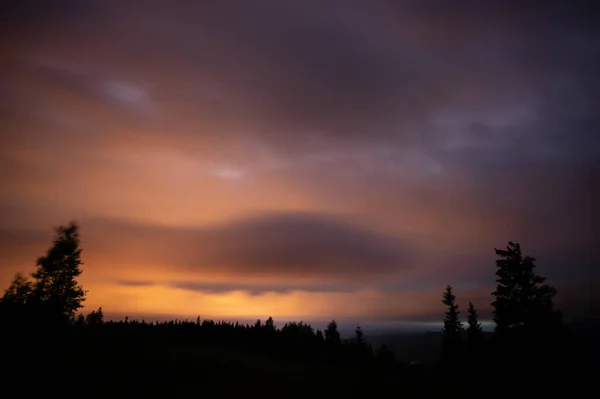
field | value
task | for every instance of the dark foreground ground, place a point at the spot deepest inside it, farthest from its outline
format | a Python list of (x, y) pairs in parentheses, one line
[(159, 369)]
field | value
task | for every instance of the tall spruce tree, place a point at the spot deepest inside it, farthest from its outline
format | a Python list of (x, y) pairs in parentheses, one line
[(529, 333), (522, 300), (475, 337), (452, 323), (361, 350), (474, 330), (452, 341)]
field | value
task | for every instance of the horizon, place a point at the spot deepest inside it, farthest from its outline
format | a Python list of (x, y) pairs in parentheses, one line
[(303, 160), (345, 326)]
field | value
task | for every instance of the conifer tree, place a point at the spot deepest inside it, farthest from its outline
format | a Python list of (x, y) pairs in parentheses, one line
[(270, 325), (452, 342), (332, 335), (56, 284), (359, 336), (319, 335), (522, 300), (452, 324), (474, 330), (474, 336), (528, 331)]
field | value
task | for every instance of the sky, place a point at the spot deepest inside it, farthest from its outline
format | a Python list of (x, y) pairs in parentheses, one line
[(304, 160)]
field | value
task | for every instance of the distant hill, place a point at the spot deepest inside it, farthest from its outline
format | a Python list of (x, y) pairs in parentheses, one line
[(424, 347), (421, 347)]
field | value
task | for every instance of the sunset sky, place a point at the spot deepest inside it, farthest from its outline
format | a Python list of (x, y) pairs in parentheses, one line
[(302, 159)]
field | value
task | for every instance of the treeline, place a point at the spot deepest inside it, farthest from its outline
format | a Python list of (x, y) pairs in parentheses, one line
[(529, 331), (296, 340)]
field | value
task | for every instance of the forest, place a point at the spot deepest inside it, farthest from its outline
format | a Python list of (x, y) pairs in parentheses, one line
[(50, 347)]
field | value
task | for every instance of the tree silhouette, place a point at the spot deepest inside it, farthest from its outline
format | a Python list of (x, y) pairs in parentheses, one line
[(361, 350), (474, 335), (452, 343), (528, 328), (15, 310), (80, 320), (333, 342), (332, 335), (474, 330), (522, 300), (56, 285), (95, 318), (452, 323), (270, 325), (358, 335), (19, 291), (319, 335)]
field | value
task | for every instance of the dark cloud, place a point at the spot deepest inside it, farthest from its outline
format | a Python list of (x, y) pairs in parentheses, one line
[(309, 243), (253, 289), (290, 245), (135, 283), (16, 245), (26, 14), (366, 70)]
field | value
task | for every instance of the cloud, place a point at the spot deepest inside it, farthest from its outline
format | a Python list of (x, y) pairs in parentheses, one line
[(376, 68), (135, 283), (290, 245), (444, 130), (253, 289), (306, 242)]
